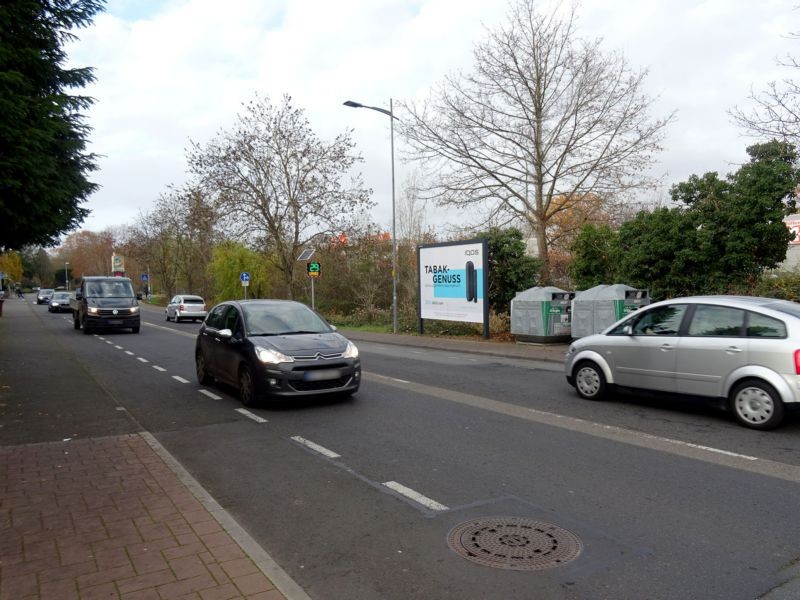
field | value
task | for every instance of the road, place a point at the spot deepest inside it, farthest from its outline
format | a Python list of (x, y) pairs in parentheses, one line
[(666, 500)]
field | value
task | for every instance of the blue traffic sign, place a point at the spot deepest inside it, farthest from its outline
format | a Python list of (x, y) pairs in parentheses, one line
[(245, 276), (144, 277)]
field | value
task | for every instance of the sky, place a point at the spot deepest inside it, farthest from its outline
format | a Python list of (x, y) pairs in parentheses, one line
[(174, 71)]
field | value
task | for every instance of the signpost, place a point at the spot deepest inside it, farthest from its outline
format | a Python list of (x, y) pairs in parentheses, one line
[(244, 277), (312, 270)]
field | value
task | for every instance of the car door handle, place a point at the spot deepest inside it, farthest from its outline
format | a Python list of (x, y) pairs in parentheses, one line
[(667, 346), (733, 350)]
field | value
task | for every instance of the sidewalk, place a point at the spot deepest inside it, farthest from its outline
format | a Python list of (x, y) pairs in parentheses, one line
[(102, 515)]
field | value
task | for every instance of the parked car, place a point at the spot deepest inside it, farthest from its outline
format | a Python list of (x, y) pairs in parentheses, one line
[(276, 349), (183, 307), (743, 350), (60, 302), (44, 296)]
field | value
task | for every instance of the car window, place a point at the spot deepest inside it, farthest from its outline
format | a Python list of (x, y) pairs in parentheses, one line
[(759, 325), (716, 321), (193, 300), (663, 320), (215, 317), (175, 300), (230, 318), (290, 317)]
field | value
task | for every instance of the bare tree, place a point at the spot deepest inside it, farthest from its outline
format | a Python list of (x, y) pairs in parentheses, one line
[(411, 207), (776, 110), (279, 184), (544, 114)]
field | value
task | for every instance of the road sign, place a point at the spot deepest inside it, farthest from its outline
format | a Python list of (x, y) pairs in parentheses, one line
[(313, 269), (144, 277), (244, 277)]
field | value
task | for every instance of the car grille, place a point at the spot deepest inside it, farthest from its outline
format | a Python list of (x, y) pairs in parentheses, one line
[(318, 356), (109, 312), (314, 386)]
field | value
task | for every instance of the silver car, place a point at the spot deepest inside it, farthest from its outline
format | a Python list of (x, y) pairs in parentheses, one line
[(185, 306), (744, 350)]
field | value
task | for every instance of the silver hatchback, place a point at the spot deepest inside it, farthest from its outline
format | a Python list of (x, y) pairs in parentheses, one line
[(745, 350), (185, 306)]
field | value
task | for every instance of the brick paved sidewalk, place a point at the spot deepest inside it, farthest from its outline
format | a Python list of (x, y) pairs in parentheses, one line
[(108, 518)]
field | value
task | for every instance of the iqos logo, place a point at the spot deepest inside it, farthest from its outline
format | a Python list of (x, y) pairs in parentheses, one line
[(471, 252)]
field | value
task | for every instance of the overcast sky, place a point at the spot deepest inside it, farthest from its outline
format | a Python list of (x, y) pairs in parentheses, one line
[(170, 71)]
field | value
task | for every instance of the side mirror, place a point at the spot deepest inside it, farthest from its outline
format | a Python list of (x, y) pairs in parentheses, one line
[(627, 330), (139, 295), (333, 327), (225, 333), (78, 295)]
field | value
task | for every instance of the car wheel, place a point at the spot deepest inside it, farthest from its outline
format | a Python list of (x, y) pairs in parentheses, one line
[(590, 382), (166, 313), (176, 319), (757, 405), (201, 369), (247, 386), (84, 327)]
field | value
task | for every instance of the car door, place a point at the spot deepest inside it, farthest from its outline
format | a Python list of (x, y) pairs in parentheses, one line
[(209, 338), (713, 346), (646, 358), (228, 350)]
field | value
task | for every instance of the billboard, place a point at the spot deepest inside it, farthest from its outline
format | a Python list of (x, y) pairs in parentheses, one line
[(452, 281)]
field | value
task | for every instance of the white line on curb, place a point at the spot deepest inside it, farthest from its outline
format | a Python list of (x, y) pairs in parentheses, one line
[(415, 496), (157, 368), (210, 395), (316, 447), (140, 359), (250, 415), (179, 378)]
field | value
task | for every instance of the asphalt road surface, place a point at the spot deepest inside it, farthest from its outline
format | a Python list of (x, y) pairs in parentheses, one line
[(355, 499)]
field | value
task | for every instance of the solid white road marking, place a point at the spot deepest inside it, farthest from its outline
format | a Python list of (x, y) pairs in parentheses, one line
[(316, 447), (140, 359), (415, 496), (210, 395), (250, 415), (179, 378), (157, 368)]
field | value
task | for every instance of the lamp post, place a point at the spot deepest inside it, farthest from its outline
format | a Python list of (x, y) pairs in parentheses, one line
[(66, 277), (390, 113)]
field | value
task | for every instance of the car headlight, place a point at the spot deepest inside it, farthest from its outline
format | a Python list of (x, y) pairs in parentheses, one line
[(272, 357), (92, 310), (134, 310), (351, 351)]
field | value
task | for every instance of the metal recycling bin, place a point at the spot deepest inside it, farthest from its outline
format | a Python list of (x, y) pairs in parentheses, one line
[(542, 315), (596, 308)]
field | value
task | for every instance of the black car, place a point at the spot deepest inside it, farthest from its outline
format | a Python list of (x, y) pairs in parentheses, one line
[(275, 348), (44, 295)]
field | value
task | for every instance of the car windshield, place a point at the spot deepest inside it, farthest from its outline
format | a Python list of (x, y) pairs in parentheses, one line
[(61, 296), (282, 319), (109, 289)]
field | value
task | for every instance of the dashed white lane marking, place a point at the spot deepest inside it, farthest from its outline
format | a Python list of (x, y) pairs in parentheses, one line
[(315, 447), (109, 342), (250, 415), (100, 337), (210, 395), (157, 368), (179, 378), (118, 347), (415, 496), (399, 380), (129, 353), (140, 359)]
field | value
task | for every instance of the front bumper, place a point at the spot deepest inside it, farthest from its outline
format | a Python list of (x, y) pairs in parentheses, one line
[(112, 321), (310, 378)]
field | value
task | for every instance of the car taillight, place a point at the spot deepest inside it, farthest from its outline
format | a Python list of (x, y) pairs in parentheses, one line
[(797, 362), (181, 308)]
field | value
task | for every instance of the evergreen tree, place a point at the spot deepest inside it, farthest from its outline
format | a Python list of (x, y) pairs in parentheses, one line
[(43, 158)]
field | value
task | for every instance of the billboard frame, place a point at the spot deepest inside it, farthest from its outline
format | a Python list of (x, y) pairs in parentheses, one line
[(484, 249)]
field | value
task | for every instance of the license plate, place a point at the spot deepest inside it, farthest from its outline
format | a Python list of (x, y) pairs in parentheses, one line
[(321, 375), (115, 321)]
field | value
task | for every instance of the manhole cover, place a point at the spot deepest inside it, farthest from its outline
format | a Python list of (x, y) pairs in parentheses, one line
[(514, 543)]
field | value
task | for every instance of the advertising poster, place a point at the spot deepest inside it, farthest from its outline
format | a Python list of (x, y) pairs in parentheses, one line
[(452, 278)]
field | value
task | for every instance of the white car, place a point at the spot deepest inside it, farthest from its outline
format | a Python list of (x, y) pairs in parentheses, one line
[(185, 306)]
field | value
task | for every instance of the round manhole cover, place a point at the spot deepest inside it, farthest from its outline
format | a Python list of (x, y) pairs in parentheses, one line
[(514, 543)]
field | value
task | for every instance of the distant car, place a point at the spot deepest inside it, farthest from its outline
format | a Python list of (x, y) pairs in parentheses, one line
[(59, 302), (275, 349), (743, 350), (184, 307), (44, 296)]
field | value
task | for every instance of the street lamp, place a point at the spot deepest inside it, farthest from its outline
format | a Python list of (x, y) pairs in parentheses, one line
[(66, 278), (390, 113)]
